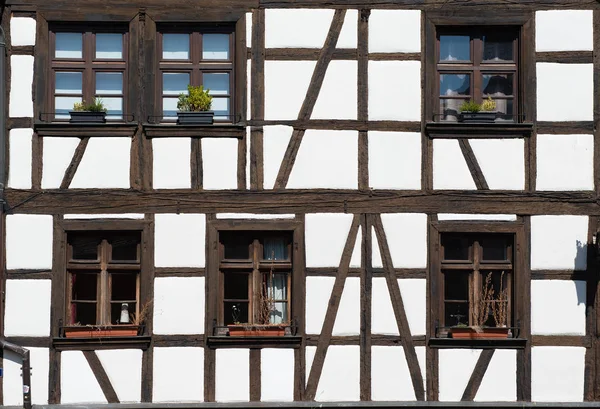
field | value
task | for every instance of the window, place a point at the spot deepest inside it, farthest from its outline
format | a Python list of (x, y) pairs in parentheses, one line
[(103, 278), (88, 64), (475, 64), (193, 57)]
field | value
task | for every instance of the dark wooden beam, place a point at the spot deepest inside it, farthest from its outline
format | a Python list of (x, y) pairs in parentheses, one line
[(565, 128), (565, 57), (467, 5), (366, 293), (472, 164), (255, 375), (343, 124), (101, 376), (477, 376), (75, 161)]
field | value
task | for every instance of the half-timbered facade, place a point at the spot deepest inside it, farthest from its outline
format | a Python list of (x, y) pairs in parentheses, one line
[(340, 200)]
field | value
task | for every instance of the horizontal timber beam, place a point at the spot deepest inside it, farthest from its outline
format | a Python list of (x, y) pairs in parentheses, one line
[(435, 4), (91, 201)]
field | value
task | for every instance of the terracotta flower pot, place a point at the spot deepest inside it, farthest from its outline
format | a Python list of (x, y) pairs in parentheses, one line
[(256, 330), (486, 333), (98, 332)]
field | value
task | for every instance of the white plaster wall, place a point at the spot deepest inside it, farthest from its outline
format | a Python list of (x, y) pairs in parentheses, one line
[(559, 242), (105, 164), (179, 305), (19, 175), (255, 216), (28, 241), (318, 292), (557, 374), (376, 260), (450, 170), (179, 240), (564, 30), (171, 163), (463, 216), (304, 28), (383, 319), (105, 216), (394, 31), (565, 162), (12, 384), (337, 97), (349, 33), (502, 162), (178, 374), (124, 369), (558, 307), (325, 238), (284, 96), (565, 92), (406, 235), (22, 31), (394, 160), (414, 294), (347, 321), (248, 29), (219, 163), (232, 378), (356, 258), (390, 376), (340, 379), (395, 90), (326, 159), (57, 154), (499, 383), (455, 369), (77, 381), (277, 375), (275, 141), (21, 82), (20, 318)]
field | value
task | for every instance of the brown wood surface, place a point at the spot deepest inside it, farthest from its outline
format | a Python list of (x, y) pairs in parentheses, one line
[(101, 376), (472, 164), (565, 57), (75, 161), (255, 375)]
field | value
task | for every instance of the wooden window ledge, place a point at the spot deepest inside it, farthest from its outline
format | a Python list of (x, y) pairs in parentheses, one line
[(171, 130), (478, 130), (88, 344), (66, 129), (285, 341), (499, 343)]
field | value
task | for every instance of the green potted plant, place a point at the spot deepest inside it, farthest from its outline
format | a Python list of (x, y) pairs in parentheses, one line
[(94, 112), (471, 111), (194, 107)]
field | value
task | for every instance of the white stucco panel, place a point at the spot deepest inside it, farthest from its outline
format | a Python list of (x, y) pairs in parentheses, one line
[(104, 216), (248, 29), (390, 377), (232, 377), (326, 159), (124, 369), (406, 235), (347, 321), (559, 242), (394, 31), (565, 162), (414, 295), (219, 163), (174, 382), (318, 292), (455, 369), (337, 97), (376, 260), (557, 374), (464, 216), (565, 92), (179, 305), (564, 30), (450, 170), (502, 162), (558, 307), (22, 31), (395, 90), (325, 238), (105, 164), (77, 381), (57, 156), (383, 318), (21, 83), (349, 33), (277, 375), (19, 174), (499, 383), (28, 241), (171, 163), (394, 160), (288, 27), (355, 259), (20, 318), (255, 216), (179, 240), (12, 382), (275, 141), (340, 379), (283, 96)]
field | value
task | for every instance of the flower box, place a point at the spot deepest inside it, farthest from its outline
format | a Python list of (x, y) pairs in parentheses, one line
[(483, 333), (478, 117), (93, 331), (256, 330), (87, 117), (195, 118)]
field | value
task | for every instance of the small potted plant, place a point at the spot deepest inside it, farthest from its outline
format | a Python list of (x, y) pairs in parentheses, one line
[(94, 112), (471, 111), (194, 107)]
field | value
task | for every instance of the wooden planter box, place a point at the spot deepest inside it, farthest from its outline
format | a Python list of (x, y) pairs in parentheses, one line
[(486, 333), (256, 330), (87, 117), (195, 118), (97, 332), (477, 117)]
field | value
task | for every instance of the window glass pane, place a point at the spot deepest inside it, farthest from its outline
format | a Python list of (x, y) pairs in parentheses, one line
[(275, 248), (69, 45), (176, 46), (117, 308), (450, 108), (456, 285), (235, 286), (170, 108), (84, 287), (124, 248), (217, 83), (85, 247), (221, 108), (279, 315), (83, 314), (175, 83), (62, 106), (68, 83), (497, 48), (215, 46), (114, 107), (109, 46), (276, 285), (455, 84), (236, 245), (456, 313), (124, 287), (235, 312), (494, 287), (455, 48), (498, 85), (455, 248), (494, 248), (109, 83)]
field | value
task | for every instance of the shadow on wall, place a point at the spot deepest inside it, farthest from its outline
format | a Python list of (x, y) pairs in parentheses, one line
[(581, 257)]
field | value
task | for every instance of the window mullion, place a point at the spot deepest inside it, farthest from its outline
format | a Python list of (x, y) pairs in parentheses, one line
[(255, 285), (104, 300)]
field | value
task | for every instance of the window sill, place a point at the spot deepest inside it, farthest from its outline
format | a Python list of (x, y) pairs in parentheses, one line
[(436, 130), (85, 130), (93, 343), (217, 130), (499, 343), (285, 341)]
